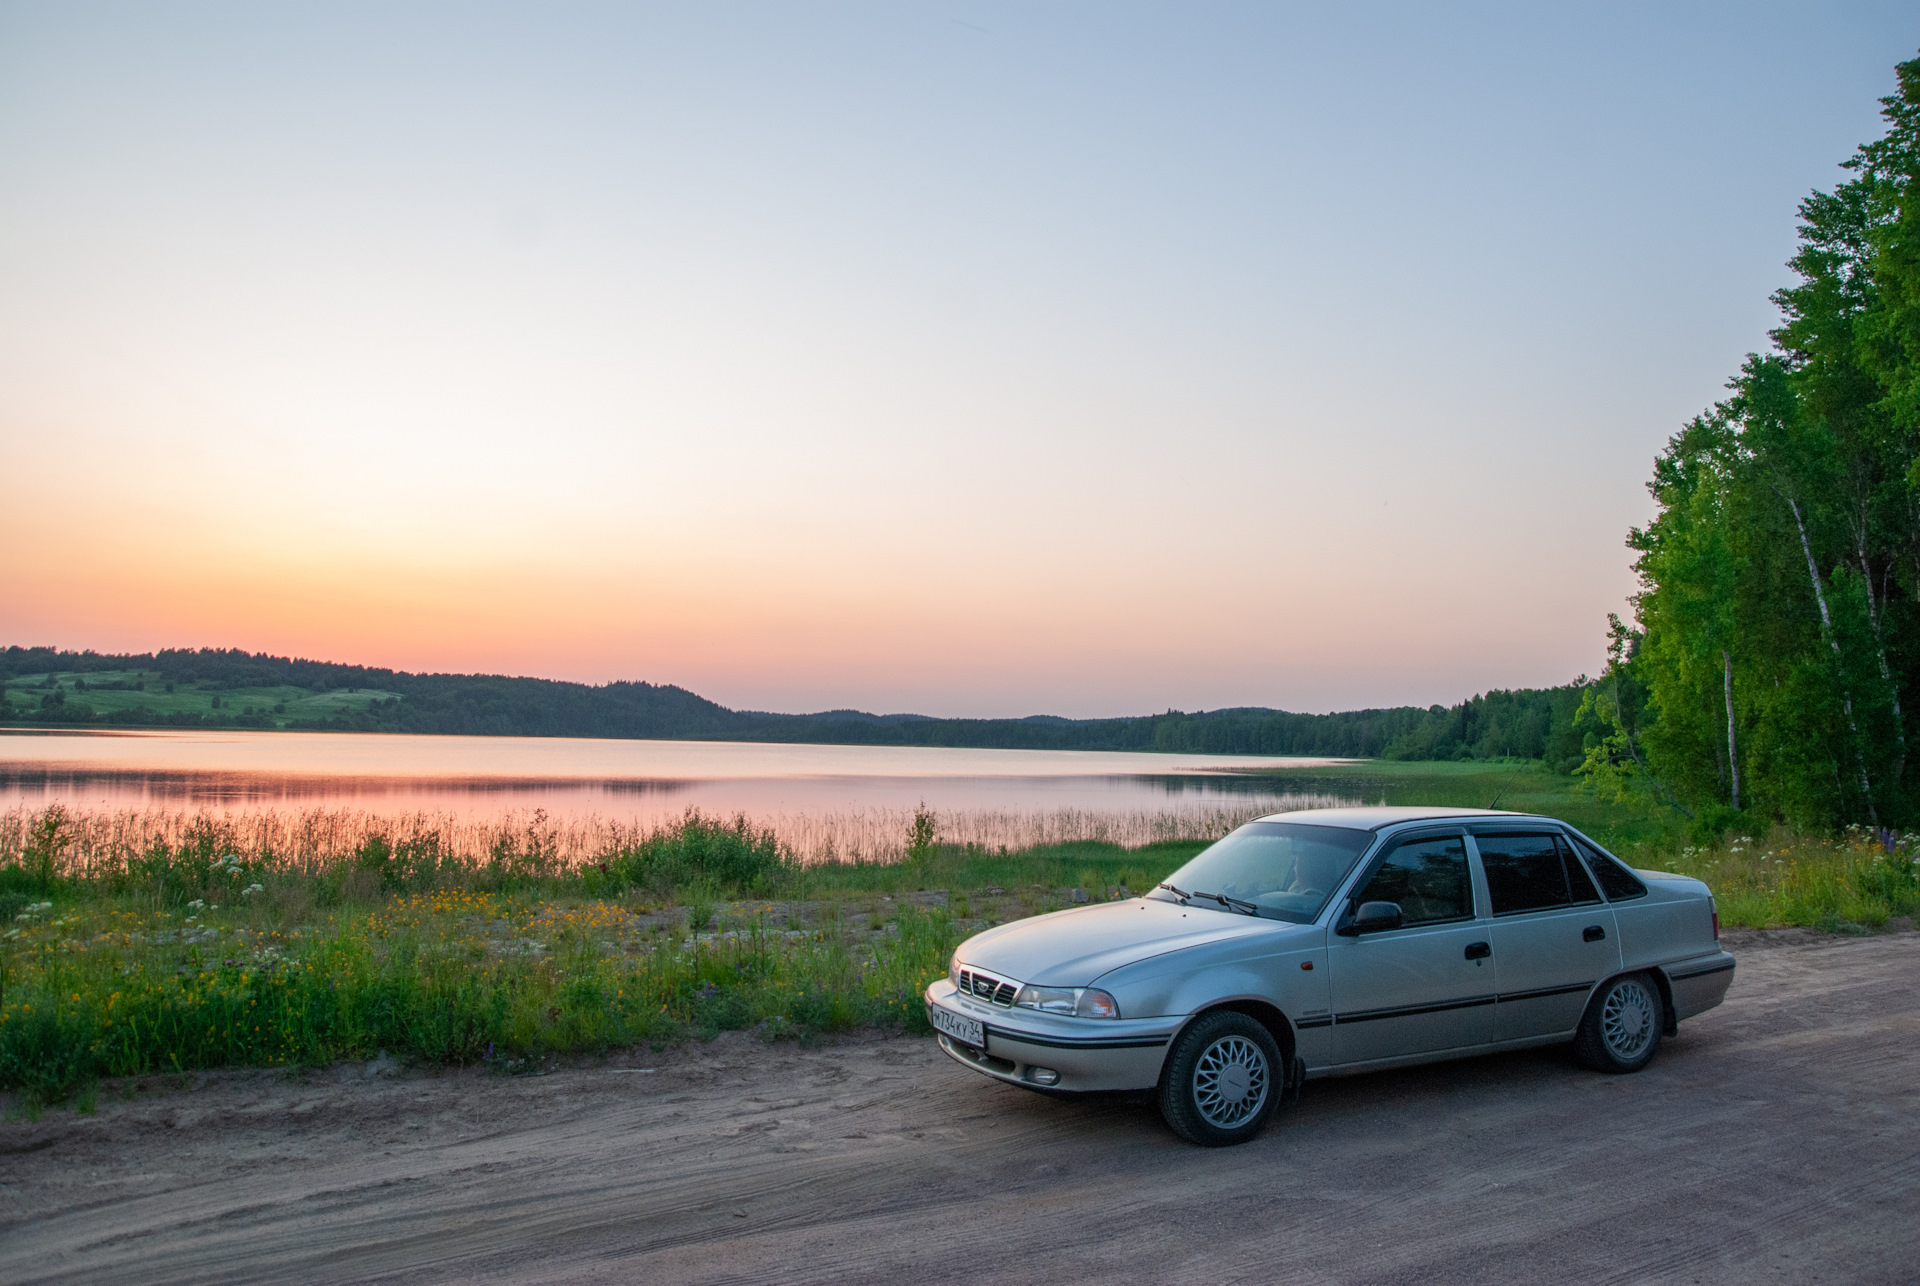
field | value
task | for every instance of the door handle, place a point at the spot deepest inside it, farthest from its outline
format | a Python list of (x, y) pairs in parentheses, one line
[(1478, 950), (1593, 933)]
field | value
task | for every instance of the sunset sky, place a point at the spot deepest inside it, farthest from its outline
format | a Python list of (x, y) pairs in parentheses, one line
[(966, 359)]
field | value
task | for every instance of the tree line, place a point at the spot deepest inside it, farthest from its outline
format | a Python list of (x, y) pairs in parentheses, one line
[(1768, 670), (1524, 723)]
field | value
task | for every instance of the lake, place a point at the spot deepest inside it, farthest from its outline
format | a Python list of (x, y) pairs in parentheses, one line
[(821, 798)]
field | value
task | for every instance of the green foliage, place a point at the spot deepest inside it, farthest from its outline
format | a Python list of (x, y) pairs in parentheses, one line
[(921, 838), (216, 688), (1784, 558), (450, 977), (1856, 880), (1084, 863), (1523, 724), (40, 864), (730, 857)]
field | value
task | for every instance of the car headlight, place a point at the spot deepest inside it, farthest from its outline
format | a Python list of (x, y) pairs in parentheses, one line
[(1083, 1002), (953, 969)]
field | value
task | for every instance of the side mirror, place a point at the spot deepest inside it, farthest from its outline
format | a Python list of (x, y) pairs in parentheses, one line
[(1371, 917)]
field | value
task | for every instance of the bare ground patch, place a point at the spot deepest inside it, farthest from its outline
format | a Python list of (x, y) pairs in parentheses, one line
[(1776, 1140)]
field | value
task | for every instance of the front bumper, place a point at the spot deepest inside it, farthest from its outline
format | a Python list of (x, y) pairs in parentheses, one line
[(1087, 1053)]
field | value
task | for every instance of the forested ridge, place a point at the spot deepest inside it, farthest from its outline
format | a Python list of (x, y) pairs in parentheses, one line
[(1769, 671), (1527, 723)]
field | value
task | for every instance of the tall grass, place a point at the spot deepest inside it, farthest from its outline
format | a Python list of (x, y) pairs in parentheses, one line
[(147, 942), (143, 942), (1854, 880), (452, 976)]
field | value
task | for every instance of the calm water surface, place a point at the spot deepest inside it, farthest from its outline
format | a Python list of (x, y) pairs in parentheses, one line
[(634, 780)]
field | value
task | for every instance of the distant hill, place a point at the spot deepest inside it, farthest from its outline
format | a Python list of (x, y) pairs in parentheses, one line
[(216, 688)]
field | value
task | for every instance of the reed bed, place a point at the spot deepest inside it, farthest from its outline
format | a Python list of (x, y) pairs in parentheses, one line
[(91, 842), (884, 834)]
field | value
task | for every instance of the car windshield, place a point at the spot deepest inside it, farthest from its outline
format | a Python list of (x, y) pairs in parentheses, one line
[(1282, 870)]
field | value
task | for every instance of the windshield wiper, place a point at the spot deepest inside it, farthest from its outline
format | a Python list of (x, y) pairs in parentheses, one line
[(1237, 904)]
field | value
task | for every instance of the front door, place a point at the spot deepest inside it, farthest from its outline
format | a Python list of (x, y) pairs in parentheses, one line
[(1553, 938), (1426, 986)]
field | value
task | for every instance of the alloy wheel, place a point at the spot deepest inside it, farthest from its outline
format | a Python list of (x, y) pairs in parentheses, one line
[(1230, 1082), (1627, 1020)]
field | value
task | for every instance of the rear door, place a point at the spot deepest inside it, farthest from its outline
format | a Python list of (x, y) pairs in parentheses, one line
[(1553, 938), (1425, 986)]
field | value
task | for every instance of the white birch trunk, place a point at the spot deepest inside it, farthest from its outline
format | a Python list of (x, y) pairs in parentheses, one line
[(1886, 672), (1826, 623), (1733, 757)]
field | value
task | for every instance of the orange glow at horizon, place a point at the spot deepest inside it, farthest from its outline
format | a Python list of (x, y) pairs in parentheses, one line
[(1092, 365), (919, 621)]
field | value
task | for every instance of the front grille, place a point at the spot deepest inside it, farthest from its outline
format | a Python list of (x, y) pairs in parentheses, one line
[(991, 990)]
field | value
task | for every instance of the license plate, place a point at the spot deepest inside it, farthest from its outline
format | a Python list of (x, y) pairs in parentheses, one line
[(968, 1031)]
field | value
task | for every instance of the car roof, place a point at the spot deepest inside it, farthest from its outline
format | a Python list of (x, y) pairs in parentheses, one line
[(1372, 819)]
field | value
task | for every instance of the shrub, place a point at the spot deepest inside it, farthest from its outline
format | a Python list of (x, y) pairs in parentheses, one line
[(730, 857), (922, 837)]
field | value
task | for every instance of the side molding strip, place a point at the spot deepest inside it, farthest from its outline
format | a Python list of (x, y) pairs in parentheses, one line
[(1408, 1011), (1545, 991), (1466, 1002)]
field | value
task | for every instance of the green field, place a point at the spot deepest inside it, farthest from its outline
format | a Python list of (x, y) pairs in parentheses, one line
[(112, 694), (188, 946)]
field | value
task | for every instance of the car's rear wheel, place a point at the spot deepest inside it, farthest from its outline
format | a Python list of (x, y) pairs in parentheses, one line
[(1622, 1026), (1223, 1078)]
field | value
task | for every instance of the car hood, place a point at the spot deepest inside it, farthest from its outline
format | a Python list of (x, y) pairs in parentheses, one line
[(1073, 948)]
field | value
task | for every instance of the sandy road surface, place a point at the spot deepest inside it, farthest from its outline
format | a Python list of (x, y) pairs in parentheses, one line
[(1777, 1140)]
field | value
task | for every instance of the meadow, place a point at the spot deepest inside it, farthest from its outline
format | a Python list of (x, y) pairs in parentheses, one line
[(146, 697), (158, 942)]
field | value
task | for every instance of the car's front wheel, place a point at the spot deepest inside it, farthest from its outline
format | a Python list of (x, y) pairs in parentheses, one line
[(1622, 1026), (1223, 1078)]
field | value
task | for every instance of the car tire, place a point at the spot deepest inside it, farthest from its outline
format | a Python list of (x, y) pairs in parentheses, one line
[(1223, 1078), (1622, 1026)]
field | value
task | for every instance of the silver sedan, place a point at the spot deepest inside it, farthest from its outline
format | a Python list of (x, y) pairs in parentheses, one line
[(1333, 941)]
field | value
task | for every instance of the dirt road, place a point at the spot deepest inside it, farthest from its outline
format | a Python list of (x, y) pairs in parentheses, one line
[(1777, 1140)]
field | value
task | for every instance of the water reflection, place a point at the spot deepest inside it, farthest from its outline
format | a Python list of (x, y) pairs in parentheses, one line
[(834, 793), (36, 785)]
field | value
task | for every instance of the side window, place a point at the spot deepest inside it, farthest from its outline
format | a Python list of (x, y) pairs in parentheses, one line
[(1616, 880), (1577, 881), (1427, 877), (1524, 872)]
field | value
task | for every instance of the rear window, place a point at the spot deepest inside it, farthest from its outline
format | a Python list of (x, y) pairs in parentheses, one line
[(1577, 880), (1616, 881), (1524, 872)]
